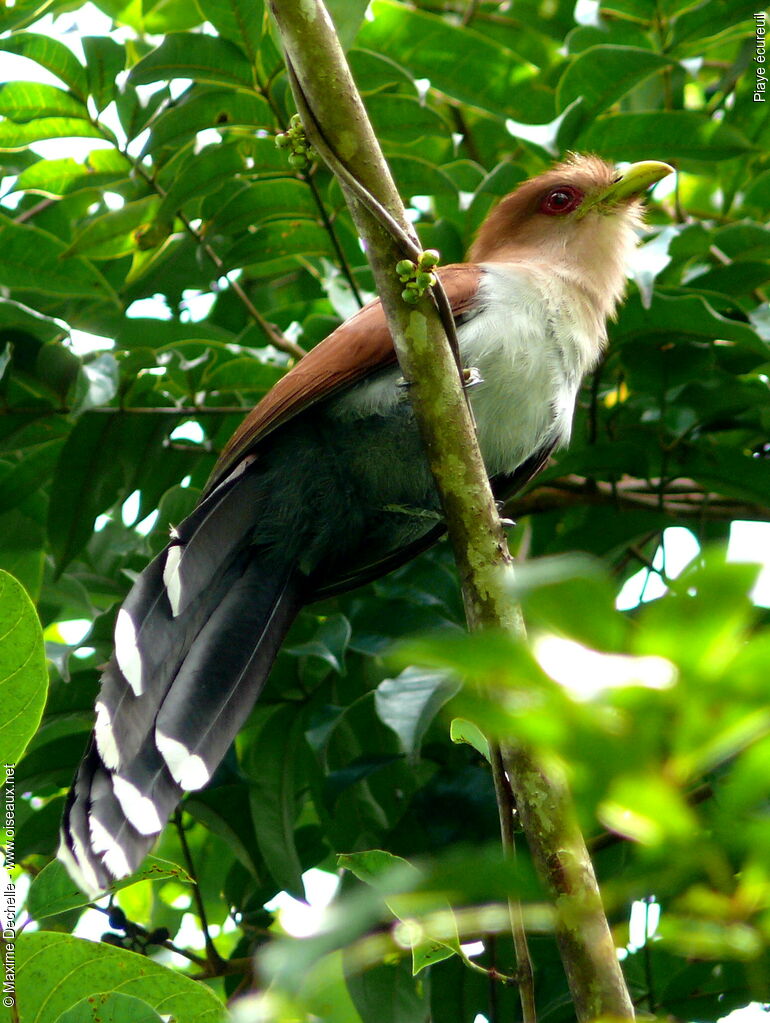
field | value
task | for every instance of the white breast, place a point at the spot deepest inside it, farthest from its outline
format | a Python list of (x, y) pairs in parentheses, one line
[(531, 344)]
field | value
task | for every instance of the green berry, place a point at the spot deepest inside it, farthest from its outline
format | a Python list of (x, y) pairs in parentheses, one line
[(428, 259), (425, 280), (410, 297), (297, 161), (405, 268)]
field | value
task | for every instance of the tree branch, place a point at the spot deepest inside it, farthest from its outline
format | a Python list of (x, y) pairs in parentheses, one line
[(323, 83), (684, 500)]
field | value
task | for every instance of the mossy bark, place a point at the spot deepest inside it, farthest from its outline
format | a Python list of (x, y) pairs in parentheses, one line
[(312, 48)]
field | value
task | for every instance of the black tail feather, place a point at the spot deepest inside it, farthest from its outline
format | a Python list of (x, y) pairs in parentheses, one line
[(97, 844), (179, 686), (223, 673)]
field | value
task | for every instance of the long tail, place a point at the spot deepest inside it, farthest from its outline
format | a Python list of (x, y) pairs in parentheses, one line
[(194, 643)]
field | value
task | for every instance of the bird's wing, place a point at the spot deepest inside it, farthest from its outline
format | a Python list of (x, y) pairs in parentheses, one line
[(359, 347), (504, 487)]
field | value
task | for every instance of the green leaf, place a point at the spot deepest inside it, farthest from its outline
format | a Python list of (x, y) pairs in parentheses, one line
[(114, 234), (57, 178), (347, 16), (56, 971), (22, 14), (246, 205), (34, 260), (409, 702), (202, 174), (97, 383), (386, 993), (53, 891), (419, 177), (728, 472), (23, 674), (161, 16), (240, 21), (383, 871), (375, 866), (555, 591), (110, 1008), (200, 57), (671, 135), (22, 552), (271, 767), (462, 730), (279, 239), (601, 75), (19, 136), (105, 59), (707, 22), (52, 55), (20, 479), (449, 56), (221, 109), (26, 101), (647, 809), (374, 72), (244, 375), (330, 643), (225, 810), (684, 315), (100, 462), (404, 120)]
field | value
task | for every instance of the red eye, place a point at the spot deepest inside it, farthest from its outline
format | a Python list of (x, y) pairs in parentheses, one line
[(562, 199)]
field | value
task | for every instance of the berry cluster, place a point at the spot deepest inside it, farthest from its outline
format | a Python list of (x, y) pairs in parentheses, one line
[(295, 140), (417, 277)]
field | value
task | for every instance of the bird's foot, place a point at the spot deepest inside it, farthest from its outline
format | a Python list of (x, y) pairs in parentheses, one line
[(504, 522)]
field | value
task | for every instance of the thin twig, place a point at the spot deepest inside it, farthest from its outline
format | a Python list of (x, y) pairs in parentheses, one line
[(33, 211), (214, 959), (346, 268), (275, 336), (143, 410), (506, 809), (307, 177), (142, 932)]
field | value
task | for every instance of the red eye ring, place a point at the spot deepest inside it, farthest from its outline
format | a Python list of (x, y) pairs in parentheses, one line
[(560, 200)]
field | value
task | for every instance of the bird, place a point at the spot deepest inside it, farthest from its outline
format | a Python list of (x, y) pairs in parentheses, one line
[(325, 486)]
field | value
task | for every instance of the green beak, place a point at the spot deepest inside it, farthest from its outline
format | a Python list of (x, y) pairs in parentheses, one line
[(634, 180)]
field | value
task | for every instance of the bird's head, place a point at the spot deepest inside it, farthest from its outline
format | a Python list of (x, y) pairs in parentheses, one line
[(577, 219)]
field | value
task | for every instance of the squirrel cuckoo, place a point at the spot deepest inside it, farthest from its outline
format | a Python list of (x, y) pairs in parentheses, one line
[(312, 497)]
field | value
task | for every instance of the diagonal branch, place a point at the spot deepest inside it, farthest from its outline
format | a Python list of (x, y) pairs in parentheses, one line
[(324, 84)]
